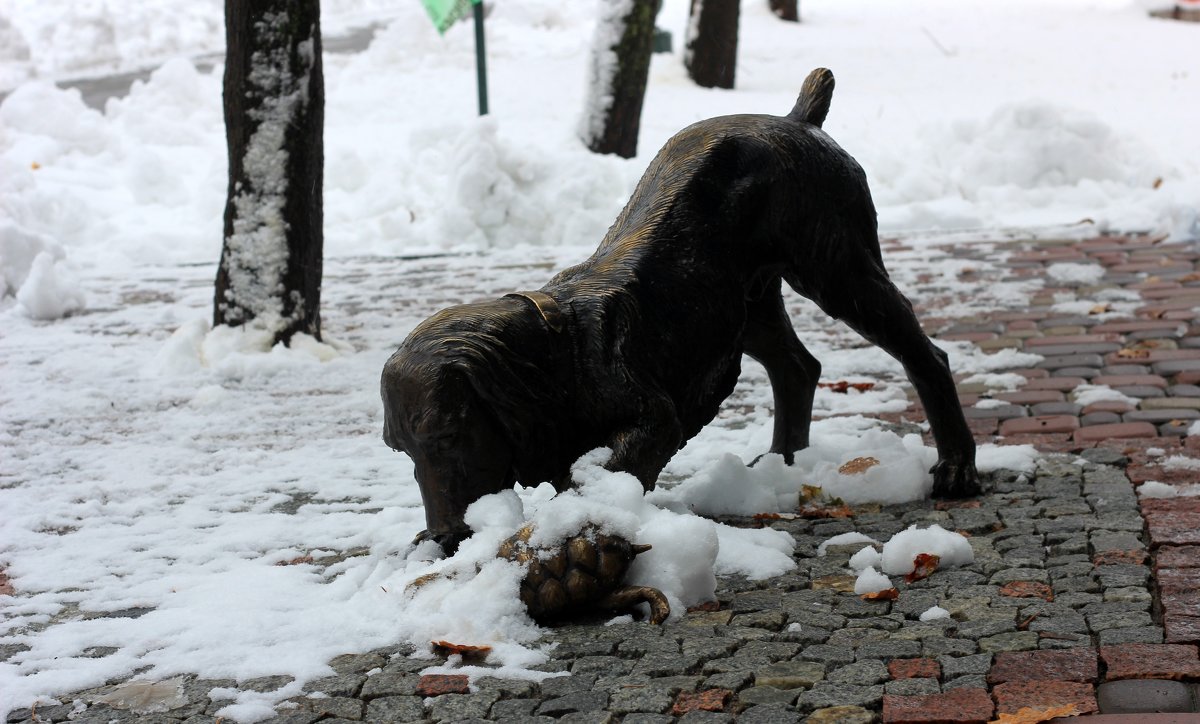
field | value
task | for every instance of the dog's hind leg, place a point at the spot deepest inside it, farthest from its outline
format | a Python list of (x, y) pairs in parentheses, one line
[(874, 308), (793, 372)]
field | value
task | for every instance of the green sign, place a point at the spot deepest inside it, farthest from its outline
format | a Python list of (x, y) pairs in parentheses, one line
[(445, 13)]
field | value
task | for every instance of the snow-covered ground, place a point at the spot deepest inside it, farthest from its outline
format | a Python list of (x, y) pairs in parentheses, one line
[(151, 465)]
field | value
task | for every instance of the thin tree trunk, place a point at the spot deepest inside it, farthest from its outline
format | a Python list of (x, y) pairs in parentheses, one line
[(271, 257), (617, 84), (711, 51), (786, 9)]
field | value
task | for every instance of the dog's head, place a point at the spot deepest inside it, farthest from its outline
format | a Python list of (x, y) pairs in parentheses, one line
[(467, 392)]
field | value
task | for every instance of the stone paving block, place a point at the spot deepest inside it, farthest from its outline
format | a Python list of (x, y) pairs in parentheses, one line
[(1039, 425), (1160, 415), (1055, 408), (1116, 381), (841, 715), (1077, 664), (1108, 406), (827, 694), (1054, 362), (1146, 695), (1170, 368), (1058, 382), (914, 668), (1097, 433), (1013, 696), (1150, 661), (1172, 521), (1179, 629), (1177, 557), (1172, 402), (1030, 397), (959, 706), (790, 674)]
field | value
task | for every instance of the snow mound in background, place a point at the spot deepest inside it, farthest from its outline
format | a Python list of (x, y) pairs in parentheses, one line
[(33, 270), (237, 352)]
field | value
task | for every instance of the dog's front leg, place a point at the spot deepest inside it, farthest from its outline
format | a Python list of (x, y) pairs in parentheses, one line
[(643, 448)]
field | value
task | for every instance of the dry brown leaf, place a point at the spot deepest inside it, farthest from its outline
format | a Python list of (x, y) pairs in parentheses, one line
[(887, 594), (810, 492), (1130, 353), (35, 165), (923, 565), (818, 511), (1029, 715), (858, 466), (776, 516), (1100, 309), (467, 651), (1158, 182)]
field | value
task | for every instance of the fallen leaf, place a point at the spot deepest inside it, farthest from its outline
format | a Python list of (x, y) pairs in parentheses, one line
[(819, 511), (858, 466), (707, 606), (6, 587), (1130, 353), (923, 565), (1024, 624), (1029, 715), (1158, 182), (810, 492), (467, 651), (35, 165), (887, 594), (296, 561), (1100, 309), (775, 516)]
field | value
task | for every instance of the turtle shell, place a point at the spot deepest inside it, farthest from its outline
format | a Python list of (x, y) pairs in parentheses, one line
[(574, 575)]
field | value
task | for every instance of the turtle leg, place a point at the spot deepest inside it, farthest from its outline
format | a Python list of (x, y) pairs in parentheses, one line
[(630, 596)]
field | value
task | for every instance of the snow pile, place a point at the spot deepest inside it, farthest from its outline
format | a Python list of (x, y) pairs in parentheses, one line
[(1090, 394), (1076, 273), (237, 352), (34, 272), (871, 581), (952, 548), (934, 613)]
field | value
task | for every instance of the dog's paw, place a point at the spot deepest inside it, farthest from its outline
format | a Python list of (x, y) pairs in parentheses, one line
[(448, 541), (955, 479)]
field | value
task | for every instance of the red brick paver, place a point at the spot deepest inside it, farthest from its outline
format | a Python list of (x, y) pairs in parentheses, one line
[(708, 700), (1016, 695), (438, 684), (957, 706), (1078, 665), (1150, 661), (914, 669), (1172, 521)]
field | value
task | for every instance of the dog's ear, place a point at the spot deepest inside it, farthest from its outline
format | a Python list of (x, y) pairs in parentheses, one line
[(815, 95)]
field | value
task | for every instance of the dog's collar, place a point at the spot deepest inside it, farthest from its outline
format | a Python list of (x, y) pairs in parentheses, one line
[(546, 306)]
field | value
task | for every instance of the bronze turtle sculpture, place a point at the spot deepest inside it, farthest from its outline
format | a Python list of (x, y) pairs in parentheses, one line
[(584, 573)]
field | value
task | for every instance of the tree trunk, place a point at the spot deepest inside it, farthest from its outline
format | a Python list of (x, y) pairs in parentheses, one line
[(270, 270), (617, 84), (786, 9), (711, 50)]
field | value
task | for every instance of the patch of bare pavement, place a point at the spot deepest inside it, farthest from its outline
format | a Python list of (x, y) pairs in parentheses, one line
[(1083, 598)]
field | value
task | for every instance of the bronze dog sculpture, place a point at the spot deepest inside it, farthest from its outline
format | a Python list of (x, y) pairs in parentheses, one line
[(636, 348)]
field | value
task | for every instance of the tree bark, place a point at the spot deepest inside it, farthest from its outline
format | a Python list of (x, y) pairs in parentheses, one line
[(711, 54), (617, 84), (274, 98), (786, 9)]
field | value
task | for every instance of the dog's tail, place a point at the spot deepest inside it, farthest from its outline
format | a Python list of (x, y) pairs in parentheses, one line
[(813, 103)]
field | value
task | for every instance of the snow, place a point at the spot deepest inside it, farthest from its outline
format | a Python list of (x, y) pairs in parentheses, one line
[(153, 463), (610, 27), (871, 581), (1090, 394), (844, 539), (934, 613), (1077, 273), (902, 548)]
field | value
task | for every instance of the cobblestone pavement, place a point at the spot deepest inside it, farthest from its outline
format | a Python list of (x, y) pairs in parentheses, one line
[(1079, 595)]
